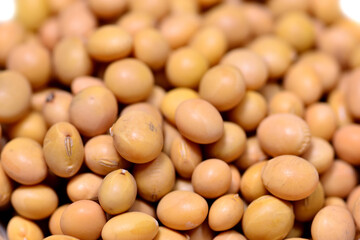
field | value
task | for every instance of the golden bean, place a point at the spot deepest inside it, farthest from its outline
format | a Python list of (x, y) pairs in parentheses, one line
[(117, 192), (274, 215), (155, 179), (16, 93), (83, 219), (290, 177), (130, 226), (63, 149), (23, 160), (34, 202), (182, 210), (19, 228), (84, 186), (101, 156), (138, 137)]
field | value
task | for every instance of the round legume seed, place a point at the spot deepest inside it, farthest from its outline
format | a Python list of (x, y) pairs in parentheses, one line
[(84, 186), (182, 210), (211, 178), (199, 121), (54, 220), (117, 192), (129, 79), (226, 212), (83, 219), (93, 110), (155, 179), (333, 222), (5, 189), (284, 133), (19, 227), (274, 215), (63, 149), (138, 137), (16, 93), (22, 159), (34, 202), (290, 177), (101, 156), (130, 226)]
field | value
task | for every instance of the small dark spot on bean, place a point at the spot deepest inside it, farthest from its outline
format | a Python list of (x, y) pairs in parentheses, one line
[(50, 97)]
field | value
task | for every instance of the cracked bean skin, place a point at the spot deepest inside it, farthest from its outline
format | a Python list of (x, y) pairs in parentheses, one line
[(63, 149)]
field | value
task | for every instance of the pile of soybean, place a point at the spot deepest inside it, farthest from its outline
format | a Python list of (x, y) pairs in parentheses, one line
[(180, 119)]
